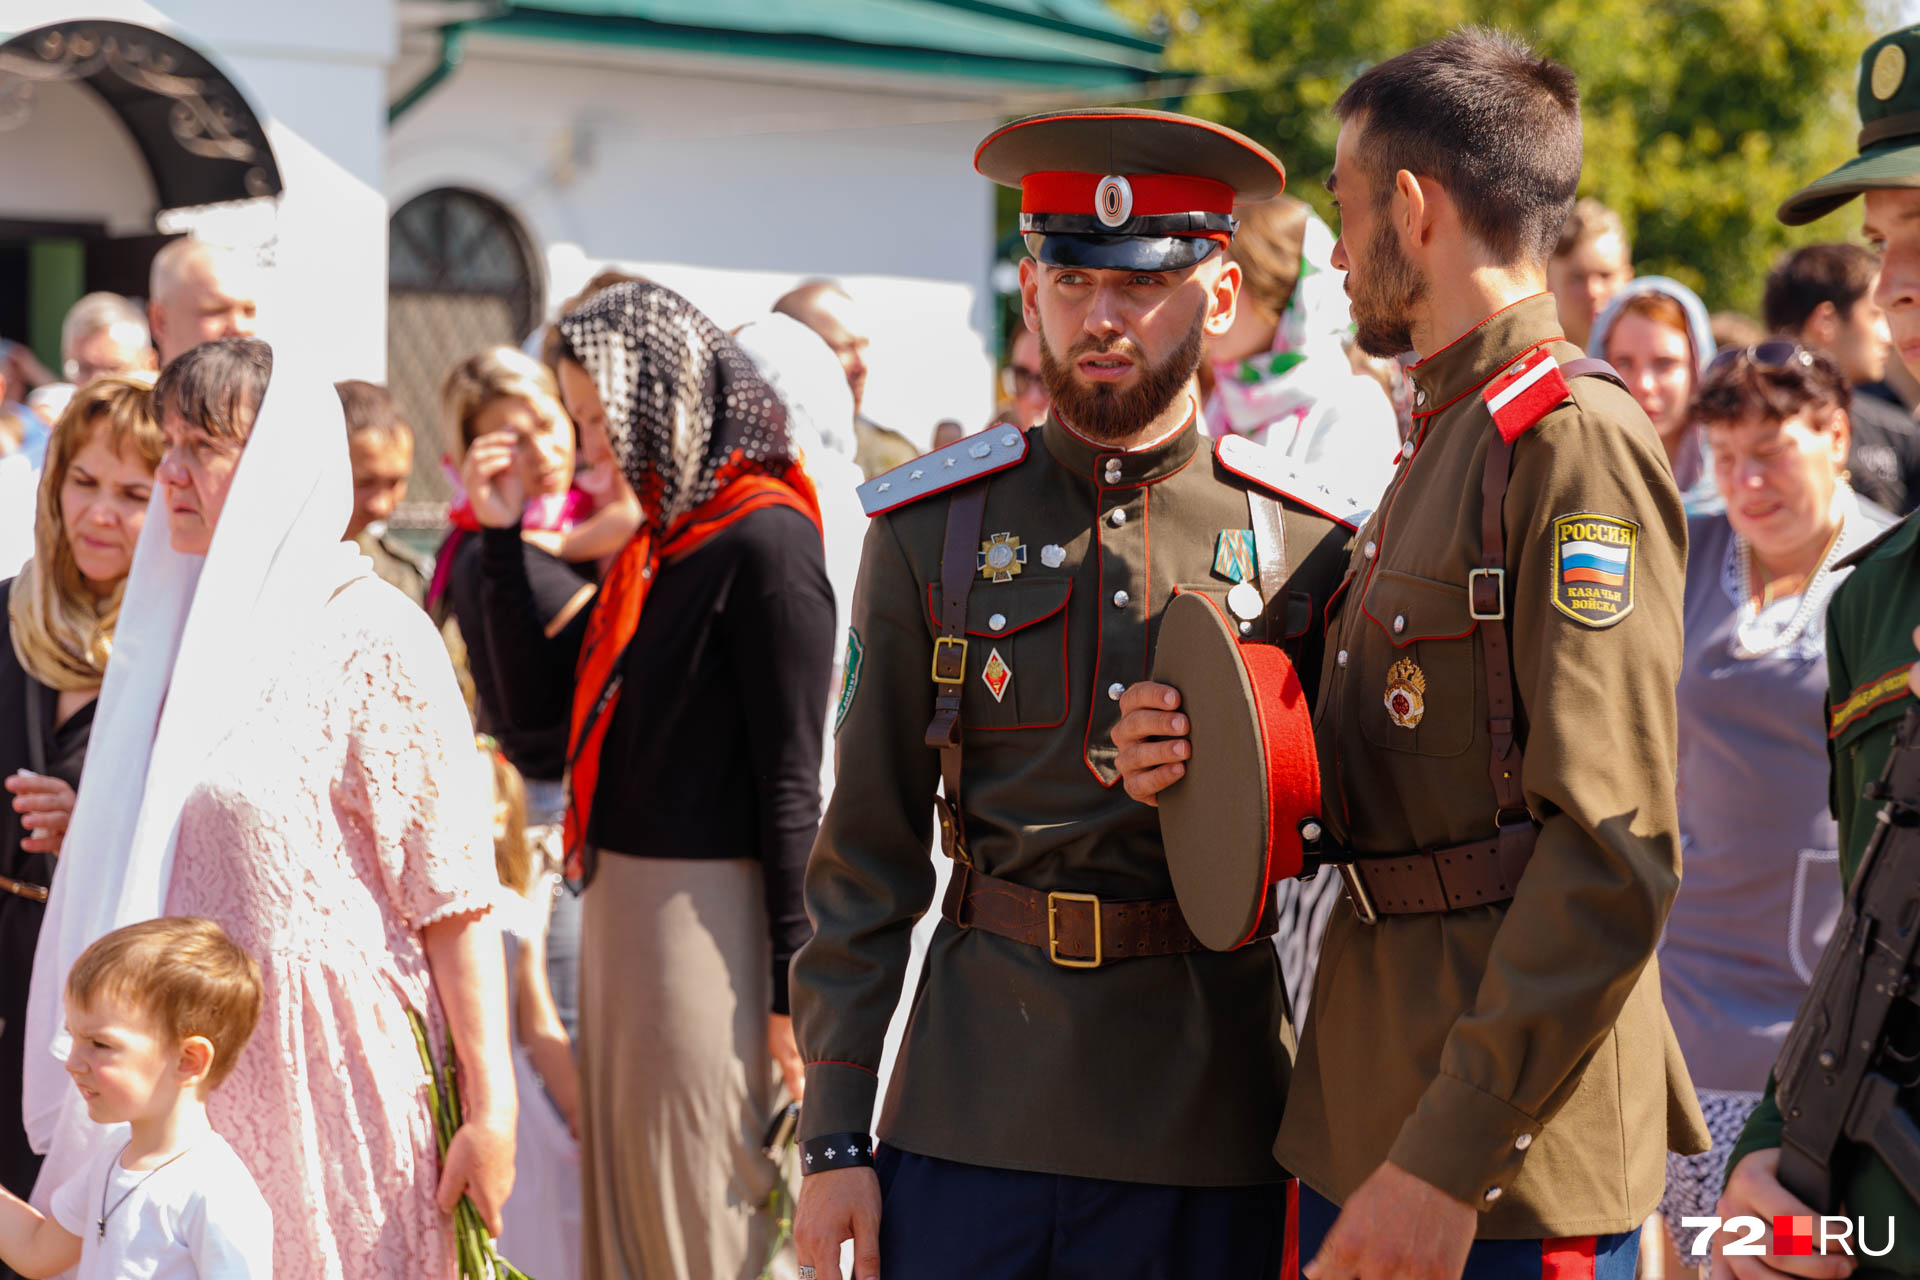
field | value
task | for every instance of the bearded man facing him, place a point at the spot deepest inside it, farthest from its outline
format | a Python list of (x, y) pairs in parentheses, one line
[(1069, 1101)]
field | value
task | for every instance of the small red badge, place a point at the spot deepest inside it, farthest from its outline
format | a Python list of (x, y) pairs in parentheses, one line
[(997, 675), (1525, 393)]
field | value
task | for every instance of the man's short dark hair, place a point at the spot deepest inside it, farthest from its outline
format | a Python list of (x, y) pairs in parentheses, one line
[(1490, 120), (1804, 278), (368, 406)]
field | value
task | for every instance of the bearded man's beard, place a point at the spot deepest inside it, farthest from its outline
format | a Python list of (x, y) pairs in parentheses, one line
[(1382, 304), (1108, 412)]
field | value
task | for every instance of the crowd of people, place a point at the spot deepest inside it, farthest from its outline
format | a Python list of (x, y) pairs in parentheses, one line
[(302, 816)]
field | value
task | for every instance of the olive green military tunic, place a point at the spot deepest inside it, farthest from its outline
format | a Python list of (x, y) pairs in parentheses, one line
[(1165, 1069), (1870, 624), (1515, 1055)]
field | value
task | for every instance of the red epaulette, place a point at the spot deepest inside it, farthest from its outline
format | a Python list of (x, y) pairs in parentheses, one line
[(1524, 392)]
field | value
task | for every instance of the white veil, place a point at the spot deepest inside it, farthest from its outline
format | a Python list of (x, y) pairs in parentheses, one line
[(196, 641)]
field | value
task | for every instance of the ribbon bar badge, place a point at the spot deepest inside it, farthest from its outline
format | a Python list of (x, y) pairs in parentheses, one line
[(1233, 555), (1527, 392)]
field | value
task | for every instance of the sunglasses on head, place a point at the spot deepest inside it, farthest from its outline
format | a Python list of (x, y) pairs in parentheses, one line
[(1775, 353)]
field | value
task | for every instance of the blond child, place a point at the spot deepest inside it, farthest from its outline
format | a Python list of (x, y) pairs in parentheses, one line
[(158, 1012), (542, 1220)]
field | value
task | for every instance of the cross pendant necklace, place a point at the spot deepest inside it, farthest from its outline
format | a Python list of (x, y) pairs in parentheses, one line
[(106, 1184)]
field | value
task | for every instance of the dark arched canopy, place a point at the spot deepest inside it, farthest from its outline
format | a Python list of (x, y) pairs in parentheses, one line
[(202, 142)]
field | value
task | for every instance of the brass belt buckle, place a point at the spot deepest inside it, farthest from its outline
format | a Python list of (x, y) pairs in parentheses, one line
[(949, 656), (1357, 893), (1053, 931), (1499, 579)]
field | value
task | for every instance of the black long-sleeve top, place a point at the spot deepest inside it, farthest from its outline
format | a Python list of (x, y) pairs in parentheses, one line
[(499, 586), (714, 747), (64, 746)]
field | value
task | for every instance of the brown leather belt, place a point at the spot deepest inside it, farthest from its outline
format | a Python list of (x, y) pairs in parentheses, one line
[(23, 889), (1076, 930), (1450, 879)]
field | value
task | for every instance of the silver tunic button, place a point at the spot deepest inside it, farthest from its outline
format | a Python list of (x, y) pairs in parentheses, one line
[(1493, 1193), (1120, 599), (1119, 517), (1399, 624), (1246, 628), (996, 622), (1420, 395), (1115, 689), (1522, 1142), (1340, 659), (1369, 550), (1113, 473)]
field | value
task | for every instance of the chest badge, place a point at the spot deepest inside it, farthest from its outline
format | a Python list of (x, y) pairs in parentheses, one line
[(1053, 555), (1233, 554), (996, 675), (1001, 557), (1406, 693)]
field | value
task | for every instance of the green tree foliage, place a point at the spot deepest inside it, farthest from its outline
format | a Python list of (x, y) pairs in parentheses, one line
[(1701, 115)]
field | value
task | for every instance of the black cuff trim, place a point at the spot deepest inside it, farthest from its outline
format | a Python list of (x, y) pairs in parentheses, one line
[(836, 1151)]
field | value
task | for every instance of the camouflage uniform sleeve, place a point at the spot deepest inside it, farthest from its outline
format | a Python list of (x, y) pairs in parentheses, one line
[(870, 876), (1597, 698)]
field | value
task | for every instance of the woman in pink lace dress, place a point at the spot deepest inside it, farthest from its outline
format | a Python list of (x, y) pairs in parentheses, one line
[(332, 816)]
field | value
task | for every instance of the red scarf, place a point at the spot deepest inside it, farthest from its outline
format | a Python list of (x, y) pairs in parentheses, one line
[(616, 616)]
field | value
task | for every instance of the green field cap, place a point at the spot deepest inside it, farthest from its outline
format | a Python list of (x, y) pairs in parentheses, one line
[(1889, 131)]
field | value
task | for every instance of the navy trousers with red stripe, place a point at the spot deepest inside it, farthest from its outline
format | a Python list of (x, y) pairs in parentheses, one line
[(940, 1220), (1612, 1257)]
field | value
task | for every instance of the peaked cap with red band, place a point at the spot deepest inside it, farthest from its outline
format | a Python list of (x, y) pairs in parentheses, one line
[(1114, 189), (1232, 823)]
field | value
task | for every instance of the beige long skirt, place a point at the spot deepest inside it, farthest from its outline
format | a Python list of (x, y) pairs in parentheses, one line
[(676, 1083)]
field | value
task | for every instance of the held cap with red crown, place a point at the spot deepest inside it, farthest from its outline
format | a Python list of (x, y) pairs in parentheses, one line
[(1233, 824), (1115, 189)]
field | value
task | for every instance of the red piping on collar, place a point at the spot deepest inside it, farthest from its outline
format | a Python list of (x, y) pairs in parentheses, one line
[(1425, 360)]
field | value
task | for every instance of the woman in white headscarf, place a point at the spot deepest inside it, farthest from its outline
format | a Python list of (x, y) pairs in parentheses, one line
[(304, 776)]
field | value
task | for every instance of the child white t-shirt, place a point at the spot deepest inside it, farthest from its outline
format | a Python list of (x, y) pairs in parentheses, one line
[(199, 1218)]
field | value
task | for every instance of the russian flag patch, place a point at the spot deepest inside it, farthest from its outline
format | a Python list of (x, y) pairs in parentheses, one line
[(1593, 567), (1526, 392)]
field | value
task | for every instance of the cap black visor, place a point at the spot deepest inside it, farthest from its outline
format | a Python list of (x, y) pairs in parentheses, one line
[(1121, 253)]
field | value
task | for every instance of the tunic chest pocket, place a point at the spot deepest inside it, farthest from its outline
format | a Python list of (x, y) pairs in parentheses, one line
[(1016, 653), (1417, 685)]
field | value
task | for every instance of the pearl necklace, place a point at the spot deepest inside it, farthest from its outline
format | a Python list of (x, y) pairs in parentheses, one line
[(1747, 638)]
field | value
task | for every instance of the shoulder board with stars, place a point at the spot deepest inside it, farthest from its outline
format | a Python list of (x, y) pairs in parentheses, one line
[(981, 454), (1311, 486)]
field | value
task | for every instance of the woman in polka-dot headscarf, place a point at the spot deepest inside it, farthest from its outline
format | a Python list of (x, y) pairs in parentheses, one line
[(698, 722)]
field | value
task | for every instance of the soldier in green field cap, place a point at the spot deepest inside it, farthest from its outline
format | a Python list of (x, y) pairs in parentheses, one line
[(1870, 651)]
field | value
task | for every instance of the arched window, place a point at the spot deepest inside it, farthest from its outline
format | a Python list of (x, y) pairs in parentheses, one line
[(461, 275)]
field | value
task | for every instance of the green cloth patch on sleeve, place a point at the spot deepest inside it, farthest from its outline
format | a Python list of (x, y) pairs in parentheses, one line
[(850, 681)]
